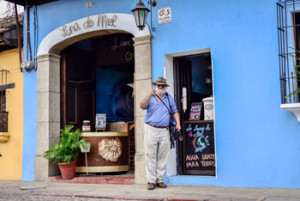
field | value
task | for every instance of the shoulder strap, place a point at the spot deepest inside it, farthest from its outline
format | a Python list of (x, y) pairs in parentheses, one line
[(169, 101), (164, 102)]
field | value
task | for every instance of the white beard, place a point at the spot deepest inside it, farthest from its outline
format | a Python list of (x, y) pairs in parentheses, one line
[(160, 91)]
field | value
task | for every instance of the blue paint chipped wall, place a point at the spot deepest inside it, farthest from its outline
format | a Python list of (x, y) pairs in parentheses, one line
[(257, 142)]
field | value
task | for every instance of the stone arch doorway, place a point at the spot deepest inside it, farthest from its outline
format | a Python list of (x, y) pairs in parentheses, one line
[(48, 81)]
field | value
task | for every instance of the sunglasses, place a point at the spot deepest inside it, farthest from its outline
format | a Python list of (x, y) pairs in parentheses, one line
[(160, 85)]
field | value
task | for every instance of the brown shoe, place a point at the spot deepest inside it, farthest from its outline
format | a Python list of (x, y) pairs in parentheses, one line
[(161, 185), (151, 186)]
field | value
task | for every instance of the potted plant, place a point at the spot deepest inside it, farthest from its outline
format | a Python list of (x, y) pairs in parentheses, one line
[(66, 152)]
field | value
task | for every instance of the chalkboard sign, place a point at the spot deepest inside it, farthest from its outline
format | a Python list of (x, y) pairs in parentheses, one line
[(195, 111), (199, 148)]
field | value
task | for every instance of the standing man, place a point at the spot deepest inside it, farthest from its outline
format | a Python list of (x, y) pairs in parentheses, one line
[(157, 135)]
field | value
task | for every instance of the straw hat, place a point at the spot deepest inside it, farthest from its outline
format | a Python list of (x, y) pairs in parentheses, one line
[(161, 81)]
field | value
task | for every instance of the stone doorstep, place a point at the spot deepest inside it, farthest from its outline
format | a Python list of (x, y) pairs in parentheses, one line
[(95, 180)]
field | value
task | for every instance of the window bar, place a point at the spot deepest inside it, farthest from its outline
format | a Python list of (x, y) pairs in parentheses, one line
[(283, 53), (279, 27), (281, 57), (293, 87), (287, 50), (291, 53), (295, 54), (282, 49)]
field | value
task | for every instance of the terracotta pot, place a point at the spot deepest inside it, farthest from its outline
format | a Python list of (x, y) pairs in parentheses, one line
[(67, 169)]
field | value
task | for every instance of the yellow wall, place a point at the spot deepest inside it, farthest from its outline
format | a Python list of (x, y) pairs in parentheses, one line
[(11, 151)]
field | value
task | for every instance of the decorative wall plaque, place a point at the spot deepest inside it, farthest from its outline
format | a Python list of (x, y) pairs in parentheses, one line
[(110, 149), (100, 121)]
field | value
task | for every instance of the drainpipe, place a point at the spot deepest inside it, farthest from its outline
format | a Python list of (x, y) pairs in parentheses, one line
[(18, 35), (27, 64), (27, 31)]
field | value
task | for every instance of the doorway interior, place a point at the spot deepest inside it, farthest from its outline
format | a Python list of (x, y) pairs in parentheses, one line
[(97, 77), (193, 78)]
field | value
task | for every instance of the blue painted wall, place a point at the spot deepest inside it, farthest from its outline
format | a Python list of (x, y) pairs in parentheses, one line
[(29, 126), (257, 143)]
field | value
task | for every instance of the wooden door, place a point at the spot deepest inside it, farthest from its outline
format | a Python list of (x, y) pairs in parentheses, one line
[(182, 78), (77, 87)]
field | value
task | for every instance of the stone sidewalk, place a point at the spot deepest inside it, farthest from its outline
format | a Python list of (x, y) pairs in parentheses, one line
[(14, 190)]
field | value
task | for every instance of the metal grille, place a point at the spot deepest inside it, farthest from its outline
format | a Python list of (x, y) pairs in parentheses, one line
[(288, 22), (3, 121), (3, 112)]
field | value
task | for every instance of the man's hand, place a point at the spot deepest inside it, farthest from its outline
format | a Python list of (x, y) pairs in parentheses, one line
[(176, 116), (146, 100), (178, 127), (152, 92)]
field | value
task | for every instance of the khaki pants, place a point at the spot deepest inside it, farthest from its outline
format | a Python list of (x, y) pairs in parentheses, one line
[(157, 147)]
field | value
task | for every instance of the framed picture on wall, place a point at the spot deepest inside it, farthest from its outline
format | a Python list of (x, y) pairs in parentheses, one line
[(100, 123)]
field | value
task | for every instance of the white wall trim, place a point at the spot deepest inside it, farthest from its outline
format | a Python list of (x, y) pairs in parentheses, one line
[(116, 21), (292, 107)]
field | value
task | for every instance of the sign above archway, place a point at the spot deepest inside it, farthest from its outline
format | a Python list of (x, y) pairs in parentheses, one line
[(82, 27)]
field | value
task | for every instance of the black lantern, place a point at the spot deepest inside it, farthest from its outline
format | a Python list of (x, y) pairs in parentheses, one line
[(140, 13)]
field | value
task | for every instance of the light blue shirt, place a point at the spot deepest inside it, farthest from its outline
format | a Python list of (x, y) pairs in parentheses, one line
[(157, 114)]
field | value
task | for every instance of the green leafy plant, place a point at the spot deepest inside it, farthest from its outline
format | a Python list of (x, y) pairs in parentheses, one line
[(69, 147)]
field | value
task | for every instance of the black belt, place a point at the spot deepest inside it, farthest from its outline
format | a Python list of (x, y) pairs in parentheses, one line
[(157, 126)]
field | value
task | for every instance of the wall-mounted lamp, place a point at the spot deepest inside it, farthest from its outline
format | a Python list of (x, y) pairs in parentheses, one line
[(140, 14)]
